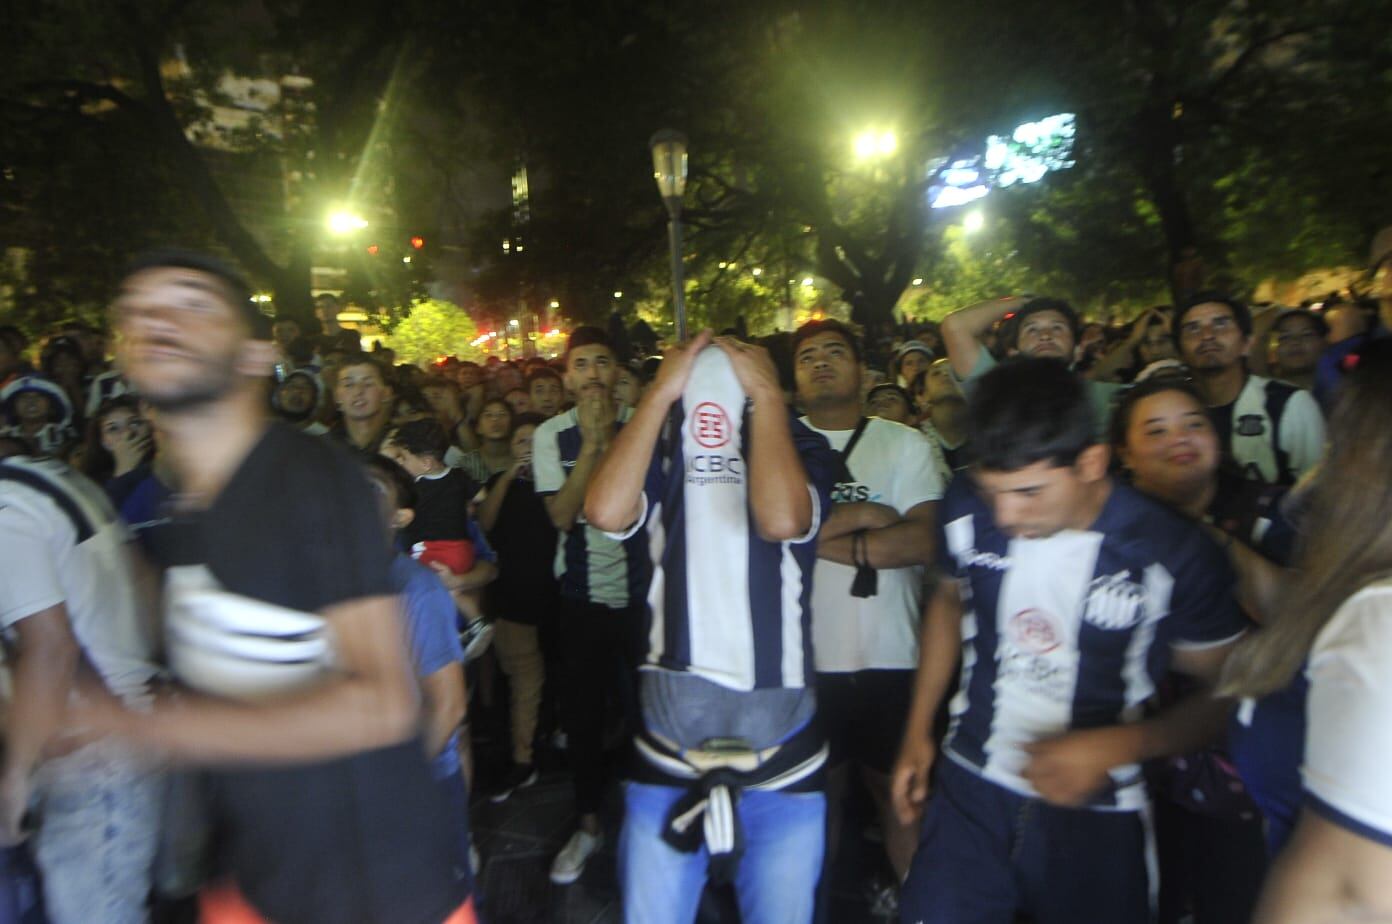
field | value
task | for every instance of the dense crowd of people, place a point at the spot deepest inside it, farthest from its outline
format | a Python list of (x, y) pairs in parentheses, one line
[(1089, 614)]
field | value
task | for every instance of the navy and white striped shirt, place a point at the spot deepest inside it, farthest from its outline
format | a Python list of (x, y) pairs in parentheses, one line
[(1074, 630), (725, 604), (590, 565)]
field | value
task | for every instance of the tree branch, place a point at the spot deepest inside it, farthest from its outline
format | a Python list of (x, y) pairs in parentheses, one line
[(1250, 54)]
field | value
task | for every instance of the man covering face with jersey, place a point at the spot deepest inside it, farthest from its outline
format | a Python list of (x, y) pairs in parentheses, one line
[(727, 491)]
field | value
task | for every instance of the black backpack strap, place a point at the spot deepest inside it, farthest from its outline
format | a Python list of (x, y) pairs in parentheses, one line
[(1278, 395), (81, 522)]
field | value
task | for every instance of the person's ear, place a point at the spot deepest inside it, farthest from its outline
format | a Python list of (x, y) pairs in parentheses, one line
[(1093, 461), (403, 518)]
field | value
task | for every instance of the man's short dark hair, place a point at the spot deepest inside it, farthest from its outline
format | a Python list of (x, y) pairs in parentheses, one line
[(827, 326), (896, 389), (1239, 310), (421, 438), (1012, 327), (529, 419), (363, 359), (440, 381), (1028, 410), (543, 373), (1320, 325), (234, 284), (395, 478), (586, 335)]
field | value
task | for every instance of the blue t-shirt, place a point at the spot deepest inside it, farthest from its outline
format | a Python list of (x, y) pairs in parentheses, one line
[(1266, 742), (431, 627)]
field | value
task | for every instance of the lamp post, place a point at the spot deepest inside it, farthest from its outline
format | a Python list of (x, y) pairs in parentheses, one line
[(669, 170)]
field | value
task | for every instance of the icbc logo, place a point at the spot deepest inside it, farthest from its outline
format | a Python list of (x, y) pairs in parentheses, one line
[(710, 426)]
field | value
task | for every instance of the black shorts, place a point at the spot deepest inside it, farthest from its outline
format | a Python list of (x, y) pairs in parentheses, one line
[(862, 715)]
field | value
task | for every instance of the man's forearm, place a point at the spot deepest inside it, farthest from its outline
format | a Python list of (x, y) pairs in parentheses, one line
[(1194, 723), (902, 545), (777, 481), (341, 717), (845, 519), (564, 506), (612, 499), (963, 330), (480, 575), (939, 645), (43, 678), (493, 502)]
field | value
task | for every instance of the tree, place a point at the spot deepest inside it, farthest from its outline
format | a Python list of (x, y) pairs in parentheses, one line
[(432, 329), (142, 81)]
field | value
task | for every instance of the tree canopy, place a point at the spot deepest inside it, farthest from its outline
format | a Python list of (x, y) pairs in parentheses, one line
[(1246, 139)]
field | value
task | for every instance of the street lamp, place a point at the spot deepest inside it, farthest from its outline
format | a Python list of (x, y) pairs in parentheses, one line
[(344, 222), (669, 170), (871, 145)]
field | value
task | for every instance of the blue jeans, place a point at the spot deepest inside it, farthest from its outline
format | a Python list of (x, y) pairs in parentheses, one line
[(784, 839), (97, 836)]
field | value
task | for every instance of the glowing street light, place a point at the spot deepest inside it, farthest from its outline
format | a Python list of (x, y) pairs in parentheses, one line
[(618, 293), (757, 271), (869, 145), (973, 222), (918, 280), (344, 222), (669, 158), (807, 281)]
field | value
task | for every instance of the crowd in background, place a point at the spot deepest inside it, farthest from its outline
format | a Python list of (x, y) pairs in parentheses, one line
[(1240, 419)]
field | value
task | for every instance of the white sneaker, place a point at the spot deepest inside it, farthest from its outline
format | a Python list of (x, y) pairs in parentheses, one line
[(570, 862)]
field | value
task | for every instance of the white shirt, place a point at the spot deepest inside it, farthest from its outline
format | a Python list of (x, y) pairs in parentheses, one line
[(1348, 738), (76, 552), (891, 464)]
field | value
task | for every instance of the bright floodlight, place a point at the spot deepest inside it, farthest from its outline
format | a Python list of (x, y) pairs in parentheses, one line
[(973, 221), (866, 143), (872, 144), (343, 222), (669, 163)]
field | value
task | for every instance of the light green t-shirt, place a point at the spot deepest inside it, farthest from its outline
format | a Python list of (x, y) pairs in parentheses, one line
[(1102, 395)]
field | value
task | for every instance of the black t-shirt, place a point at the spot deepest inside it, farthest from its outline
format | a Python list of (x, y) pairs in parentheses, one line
[(442, 507), (339, 434), (361, 839), (525, 539)]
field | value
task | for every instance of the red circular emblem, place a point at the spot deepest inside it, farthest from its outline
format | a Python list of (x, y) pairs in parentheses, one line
[(709, 425), (1033, 631)]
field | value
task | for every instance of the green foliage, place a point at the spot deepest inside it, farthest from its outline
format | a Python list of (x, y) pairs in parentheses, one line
[(432, 329)]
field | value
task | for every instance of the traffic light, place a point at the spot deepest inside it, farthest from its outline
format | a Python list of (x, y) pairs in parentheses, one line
[(372, 249), (417, 241)]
